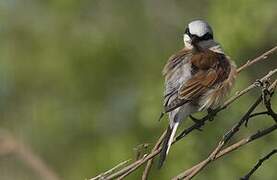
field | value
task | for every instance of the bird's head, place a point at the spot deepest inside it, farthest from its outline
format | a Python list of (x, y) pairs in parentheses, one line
[(196, 32)]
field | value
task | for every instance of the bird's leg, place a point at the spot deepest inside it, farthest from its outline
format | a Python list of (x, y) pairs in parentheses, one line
[(211, 114)]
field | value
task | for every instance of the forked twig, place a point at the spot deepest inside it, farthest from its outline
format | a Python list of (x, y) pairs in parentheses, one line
[(190, 173)]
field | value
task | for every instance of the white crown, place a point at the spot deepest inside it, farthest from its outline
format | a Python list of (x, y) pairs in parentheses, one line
[(199, 28)]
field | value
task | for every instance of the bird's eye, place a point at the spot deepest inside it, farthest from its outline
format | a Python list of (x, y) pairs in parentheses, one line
[(207, 36)]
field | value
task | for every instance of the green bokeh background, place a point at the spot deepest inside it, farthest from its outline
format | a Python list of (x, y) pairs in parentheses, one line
[(81, 84)]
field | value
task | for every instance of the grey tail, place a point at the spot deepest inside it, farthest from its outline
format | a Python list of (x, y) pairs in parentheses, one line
[(165, 147)]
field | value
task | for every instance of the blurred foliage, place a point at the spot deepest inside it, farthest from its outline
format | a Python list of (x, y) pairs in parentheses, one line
[(81, 81)]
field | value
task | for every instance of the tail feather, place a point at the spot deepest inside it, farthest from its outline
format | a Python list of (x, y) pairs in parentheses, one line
[(168, 139)]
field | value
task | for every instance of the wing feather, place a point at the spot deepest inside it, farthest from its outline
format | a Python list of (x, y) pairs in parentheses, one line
[(198, 84), (209, 69), (174, 73)]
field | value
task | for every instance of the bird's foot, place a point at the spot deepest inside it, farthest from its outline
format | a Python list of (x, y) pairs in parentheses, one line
[(211, 114)]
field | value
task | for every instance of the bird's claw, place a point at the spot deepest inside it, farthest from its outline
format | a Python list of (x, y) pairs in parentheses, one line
[(211, 114)]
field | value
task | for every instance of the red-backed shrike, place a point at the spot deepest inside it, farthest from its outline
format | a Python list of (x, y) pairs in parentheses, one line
[(197, 78)]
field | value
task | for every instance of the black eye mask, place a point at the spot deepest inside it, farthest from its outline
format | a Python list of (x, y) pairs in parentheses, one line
[(207, 36)]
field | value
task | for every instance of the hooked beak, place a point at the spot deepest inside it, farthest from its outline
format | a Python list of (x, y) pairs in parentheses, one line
[(194, 40)]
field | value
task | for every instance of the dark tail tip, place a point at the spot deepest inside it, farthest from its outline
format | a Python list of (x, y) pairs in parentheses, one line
[(162, 157), (164, 148)]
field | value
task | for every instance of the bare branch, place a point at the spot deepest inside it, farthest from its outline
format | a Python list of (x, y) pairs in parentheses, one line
[(9, 145), (190, 173), (194, 170), (138, 163), (228, 150), (102, 175), (150, 162), (259, 163), (156, 150), (134, 165), (202, 121), (259, 58)]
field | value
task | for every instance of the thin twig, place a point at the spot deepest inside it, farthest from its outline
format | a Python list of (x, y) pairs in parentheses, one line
[(139, 162), (258, 114), (150, 162), (102, 175), (134, 165), (128, 172), (259, 163), (206, 118), (259, 58), (230, 149), (227, 136), (255, 115), (190, 173), (10, 145)]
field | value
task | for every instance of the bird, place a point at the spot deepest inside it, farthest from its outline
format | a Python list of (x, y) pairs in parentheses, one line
[(197, 78)]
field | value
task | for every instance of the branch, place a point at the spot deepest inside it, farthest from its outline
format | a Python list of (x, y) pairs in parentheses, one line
[(202, 121), (150, 162), (138, 163), (228, 150), (190, 173), (259, 163), (9, 145), (156, 150), (259, 58), (101, 176)]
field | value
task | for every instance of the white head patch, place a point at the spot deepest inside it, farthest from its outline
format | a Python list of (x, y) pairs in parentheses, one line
[(199, 28)]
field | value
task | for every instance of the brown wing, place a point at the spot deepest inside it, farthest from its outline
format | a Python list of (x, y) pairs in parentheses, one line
[(209, 68), (198, 84)]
